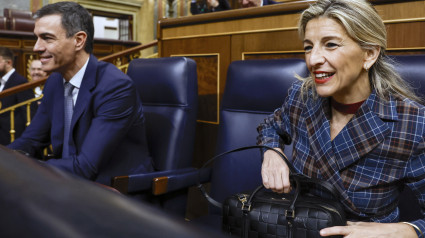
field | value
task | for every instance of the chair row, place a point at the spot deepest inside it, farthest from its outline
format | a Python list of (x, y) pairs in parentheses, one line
[(17, 20), (254, 89)]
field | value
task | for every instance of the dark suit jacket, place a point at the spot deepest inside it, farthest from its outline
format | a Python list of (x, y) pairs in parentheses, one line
[(20, 113), (107, 128), (268, 2), (202, 7)]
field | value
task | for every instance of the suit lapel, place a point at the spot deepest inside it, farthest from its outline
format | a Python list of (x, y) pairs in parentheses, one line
[(10, 82), (322, 163), (57, 102), (84, 94), (362, 134), (364, 131)]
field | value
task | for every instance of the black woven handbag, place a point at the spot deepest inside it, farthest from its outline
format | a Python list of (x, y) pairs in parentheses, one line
[(263, 213)]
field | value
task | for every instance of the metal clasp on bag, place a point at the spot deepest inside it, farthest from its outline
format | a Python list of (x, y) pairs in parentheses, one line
[(290, 213), (243, 199)]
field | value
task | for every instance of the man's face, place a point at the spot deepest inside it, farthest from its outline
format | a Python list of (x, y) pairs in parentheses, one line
[(4, 66), (57, 52), (250, 3), (35, 70)]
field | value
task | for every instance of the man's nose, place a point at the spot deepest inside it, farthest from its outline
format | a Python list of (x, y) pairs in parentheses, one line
[(38, 47)]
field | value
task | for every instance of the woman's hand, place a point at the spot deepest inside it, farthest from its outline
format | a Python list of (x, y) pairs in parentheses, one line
[(275, 172), (371, 229)]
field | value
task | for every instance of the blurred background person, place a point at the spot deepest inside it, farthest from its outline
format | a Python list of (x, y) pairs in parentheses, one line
[(37, 73), (255, 3), (205, 6), (10, 78)]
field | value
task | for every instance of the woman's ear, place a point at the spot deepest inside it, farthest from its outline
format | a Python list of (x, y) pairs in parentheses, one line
[(80, 40), (371, 55)]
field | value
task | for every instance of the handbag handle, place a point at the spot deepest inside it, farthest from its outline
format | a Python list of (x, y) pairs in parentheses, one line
[(298, 178)]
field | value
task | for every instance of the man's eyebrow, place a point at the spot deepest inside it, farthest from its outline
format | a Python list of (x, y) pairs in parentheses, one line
[(44, 34)]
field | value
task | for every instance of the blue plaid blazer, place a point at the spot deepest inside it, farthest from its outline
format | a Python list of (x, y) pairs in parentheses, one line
[(379, 150)]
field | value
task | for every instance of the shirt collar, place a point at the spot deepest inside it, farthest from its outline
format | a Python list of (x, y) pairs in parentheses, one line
[(7, 75), (78, 77)]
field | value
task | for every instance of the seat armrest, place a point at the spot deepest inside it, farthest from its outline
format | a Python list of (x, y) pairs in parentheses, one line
[(177, 181), (141, 182)]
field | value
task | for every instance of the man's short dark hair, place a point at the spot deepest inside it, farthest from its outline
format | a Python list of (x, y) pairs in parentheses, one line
[(6, 53), (75, 18)]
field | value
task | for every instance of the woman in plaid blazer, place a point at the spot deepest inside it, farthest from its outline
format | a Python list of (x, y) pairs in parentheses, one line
[(353, 122)]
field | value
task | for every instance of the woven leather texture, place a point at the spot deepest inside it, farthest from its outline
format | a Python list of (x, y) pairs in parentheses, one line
[(267, 218)]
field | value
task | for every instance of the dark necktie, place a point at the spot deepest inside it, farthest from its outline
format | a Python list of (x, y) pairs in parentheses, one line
[(68, 110)]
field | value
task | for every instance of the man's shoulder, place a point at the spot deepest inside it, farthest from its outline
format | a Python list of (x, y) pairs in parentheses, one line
[(17, 78), (109, 72)]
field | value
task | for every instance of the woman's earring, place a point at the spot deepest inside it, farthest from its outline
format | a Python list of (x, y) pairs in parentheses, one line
[(366, 68)]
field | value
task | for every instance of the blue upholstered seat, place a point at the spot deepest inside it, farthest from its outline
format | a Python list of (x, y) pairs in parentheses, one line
[(254, 89), (169, 93)]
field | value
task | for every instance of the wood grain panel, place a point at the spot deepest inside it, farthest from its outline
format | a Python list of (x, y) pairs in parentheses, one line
[(28, 44), (211, 45), (231, 27), (103, 49), (208, 87), (406, 35), (11, 43), (273, 55), (265, 42), (401, 10)]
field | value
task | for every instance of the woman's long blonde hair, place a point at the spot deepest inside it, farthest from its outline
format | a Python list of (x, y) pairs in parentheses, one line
[(363, 24)]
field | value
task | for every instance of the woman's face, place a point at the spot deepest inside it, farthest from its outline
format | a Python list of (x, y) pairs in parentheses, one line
[(336, 61)]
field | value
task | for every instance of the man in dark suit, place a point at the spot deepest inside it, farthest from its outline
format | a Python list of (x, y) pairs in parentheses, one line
[(106, 128), (205, 6), (10, 78), (255, 3)]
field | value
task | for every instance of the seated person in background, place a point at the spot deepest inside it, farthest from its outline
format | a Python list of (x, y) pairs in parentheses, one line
[(37, 73), (255, 3), (91, 113), (10, 78), (205, 6), (354, 122)]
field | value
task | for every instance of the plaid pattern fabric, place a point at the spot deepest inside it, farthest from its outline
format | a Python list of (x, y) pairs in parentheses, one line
[(381, 147)]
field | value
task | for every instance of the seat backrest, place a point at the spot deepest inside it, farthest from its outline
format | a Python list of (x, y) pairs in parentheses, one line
[(22, 24), (9, 13), (254, 89), (168, 89), (4, 24), (412, 69)]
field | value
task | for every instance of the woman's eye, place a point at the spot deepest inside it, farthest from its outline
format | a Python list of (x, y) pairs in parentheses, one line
[(331, 45), (308, 48)]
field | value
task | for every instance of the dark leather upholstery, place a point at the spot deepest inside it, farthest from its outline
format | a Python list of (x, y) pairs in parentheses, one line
[(12, 13), (254, 89), (42, 201), (169, 93), (17, 20), (412, 69), (4, 23), (168, 90), (22, 24)]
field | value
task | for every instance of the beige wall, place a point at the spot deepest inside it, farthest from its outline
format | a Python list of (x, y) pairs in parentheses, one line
[(143, 12)]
